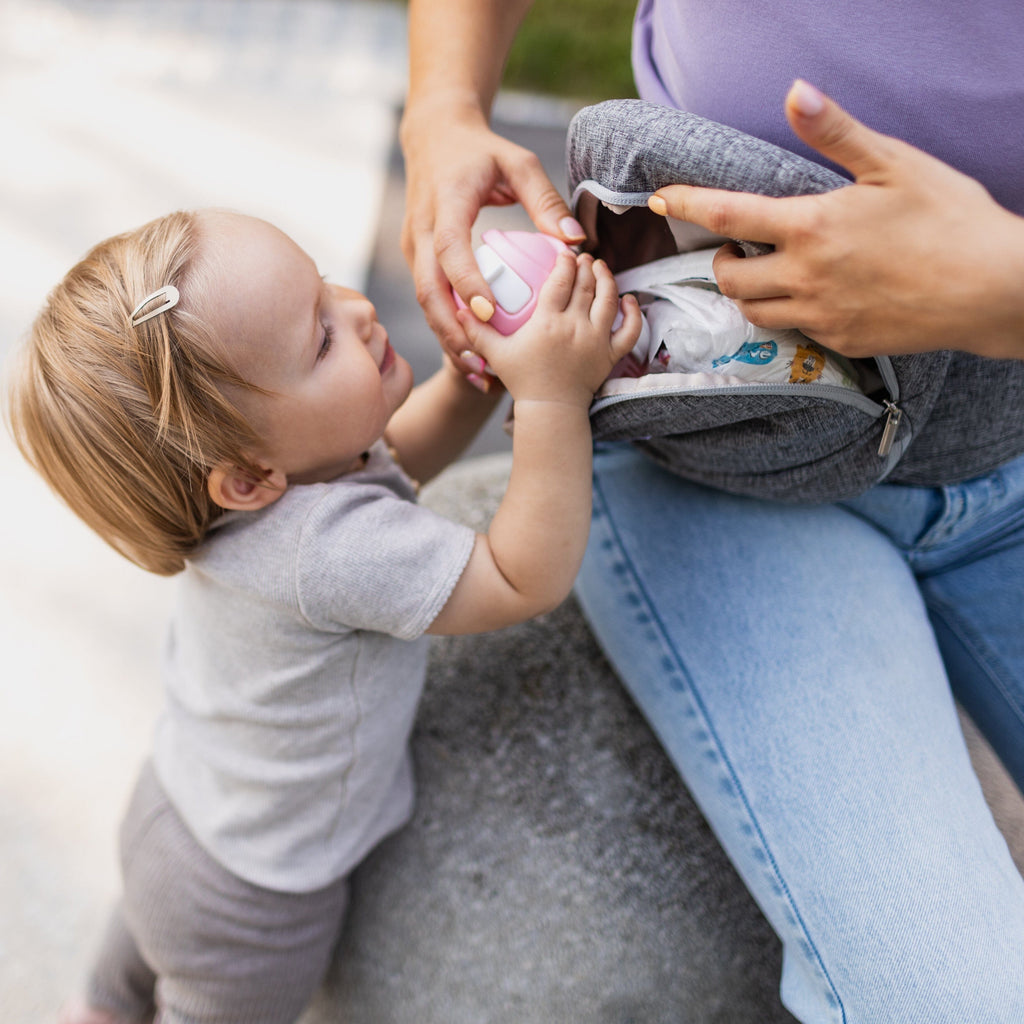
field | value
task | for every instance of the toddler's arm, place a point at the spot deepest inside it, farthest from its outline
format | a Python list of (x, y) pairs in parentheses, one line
[(526, 563), (438, 420)]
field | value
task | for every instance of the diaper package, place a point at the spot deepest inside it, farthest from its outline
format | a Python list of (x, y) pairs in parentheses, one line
[(691, 328)]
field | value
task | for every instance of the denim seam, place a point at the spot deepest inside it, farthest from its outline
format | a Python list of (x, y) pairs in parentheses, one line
[(959, 517), (663, 633), (971, 641), (946, 525)]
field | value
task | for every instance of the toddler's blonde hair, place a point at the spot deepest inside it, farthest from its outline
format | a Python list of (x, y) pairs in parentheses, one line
[(125, 423)]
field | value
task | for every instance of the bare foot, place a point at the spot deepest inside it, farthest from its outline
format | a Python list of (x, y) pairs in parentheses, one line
[(80, 1012)]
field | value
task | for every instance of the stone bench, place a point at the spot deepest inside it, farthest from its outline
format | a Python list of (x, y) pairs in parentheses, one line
[(556, 870)]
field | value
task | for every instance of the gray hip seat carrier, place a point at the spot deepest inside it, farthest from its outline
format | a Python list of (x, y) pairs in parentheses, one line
[(794, 441)]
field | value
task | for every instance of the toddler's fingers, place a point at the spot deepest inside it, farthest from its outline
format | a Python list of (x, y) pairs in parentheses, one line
[(625, 336), (606, 297), (558, 288), (482, 337), (585, 286)]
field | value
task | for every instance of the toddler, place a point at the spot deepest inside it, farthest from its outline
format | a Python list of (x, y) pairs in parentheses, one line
[(211, 406)]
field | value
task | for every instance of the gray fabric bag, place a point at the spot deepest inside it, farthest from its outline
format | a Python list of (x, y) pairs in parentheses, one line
[(794, 442)]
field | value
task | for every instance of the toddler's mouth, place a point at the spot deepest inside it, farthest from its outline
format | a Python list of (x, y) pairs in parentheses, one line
[(389, 358)]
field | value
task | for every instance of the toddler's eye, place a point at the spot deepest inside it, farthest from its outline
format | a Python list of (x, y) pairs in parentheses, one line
[(325, 342)]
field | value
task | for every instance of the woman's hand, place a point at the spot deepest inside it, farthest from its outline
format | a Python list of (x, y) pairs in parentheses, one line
[(455, 165), (914, 256)]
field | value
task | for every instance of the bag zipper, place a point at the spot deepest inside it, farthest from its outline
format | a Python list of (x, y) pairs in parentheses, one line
[(894, 415), (888, 408), (856, 399)]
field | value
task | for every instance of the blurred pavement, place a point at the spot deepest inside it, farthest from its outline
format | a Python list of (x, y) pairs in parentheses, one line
[(113, 112)]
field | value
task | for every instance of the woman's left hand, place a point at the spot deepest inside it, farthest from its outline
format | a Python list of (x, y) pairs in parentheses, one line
[(914, 256)]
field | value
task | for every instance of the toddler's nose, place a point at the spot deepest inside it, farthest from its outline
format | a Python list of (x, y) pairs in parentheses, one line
[(362, 311), (363, 308)]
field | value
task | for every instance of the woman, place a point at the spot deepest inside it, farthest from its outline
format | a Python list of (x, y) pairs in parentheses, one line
[(799, 662)]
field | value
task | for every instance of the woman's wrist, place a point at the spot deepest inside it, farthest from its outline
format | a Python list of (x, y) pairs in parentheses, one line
[(441, 105), (1008, 336), (460, 99)]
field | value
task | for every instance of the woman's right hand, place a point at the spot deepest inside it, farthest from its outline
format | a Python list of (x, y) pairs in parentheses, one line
[(455, 165), (914, 256)]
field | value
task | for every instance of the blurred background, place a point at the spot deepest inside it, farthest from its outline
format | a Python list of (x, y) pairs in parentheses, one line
[(113, 112)]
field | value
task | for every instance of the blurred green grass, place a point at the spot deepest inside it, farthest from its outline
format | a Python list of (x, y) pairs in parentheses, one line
[(574, 48)]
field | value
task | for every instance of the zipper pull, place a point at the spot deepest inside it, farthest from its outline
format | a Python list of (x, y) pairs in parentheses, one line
[(894, 415)]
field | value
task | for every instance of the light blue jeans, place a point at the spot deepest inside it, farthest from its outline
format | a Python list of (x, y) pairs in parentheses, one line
[(796, 663)]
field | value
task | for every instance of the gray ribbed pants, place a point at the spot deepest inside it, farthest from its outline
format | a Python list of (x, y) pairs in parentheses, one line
[(197, 945)]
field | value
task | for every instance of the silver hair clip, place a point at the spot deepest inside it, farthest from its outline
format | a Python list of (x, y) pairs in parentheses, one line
[(170, 296)]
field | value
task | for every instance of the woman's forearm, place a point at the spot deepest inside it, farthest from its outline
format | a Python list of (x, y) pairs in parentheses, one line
[(458, 49)]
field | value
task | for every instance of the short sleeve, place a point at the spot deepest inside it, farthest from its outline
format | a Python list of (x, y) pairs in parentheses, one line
[(370, 559)]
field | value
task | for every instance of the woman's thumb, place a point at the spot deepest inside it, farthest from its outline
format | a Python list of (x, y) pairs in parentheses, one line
[(834, 133), (543, 203)]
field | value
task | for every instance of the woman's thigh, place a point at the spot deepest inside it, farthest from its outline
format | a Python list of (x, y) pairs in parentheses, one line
[(969, 562), (785, 658)]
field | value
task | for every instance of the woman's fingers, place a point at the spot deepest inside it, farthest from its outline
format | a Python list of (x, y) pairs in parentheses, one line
[(749, 277), (731, 214)]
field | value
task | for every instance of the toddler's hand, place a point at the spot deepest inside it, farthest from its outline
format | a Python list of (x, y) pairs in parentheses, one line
[(567, 348)]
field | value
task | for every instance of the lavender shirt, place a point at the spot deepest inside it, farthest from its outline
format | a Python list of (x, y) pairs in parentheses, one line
[(945, 76)]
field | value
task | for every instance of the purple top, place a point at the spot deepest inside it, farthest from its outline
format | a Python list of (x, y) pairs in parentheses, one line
[(947, 77)]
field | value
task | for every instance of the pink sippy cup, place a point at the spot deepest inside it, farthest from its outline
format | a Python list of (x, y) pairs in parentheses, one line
[(515, 264)]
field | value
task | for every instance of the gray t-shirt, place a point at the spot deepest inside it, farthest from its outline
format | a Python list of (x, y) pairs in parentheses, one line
[(293, 668)]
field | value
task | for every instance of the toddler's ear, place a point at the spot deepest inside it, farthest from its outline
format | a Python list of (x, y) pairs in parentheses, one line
[(231, 487)]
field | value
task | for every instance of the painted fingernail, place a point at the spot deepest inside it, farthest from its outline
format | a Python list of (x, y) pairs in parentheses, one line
[(806, 100), (480, 383), (472, 359), (658, 206), (571, 228), (482, 309)]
